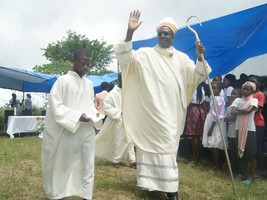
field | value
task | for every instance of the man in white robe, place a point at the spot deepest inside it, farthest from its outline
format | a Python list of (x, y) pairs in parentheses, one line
[(111, 142), (68, 146), (158, 84)]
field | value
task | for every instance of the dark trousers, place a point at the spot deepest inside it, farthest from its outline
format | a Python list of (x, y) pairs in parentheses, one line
[(27, 112), (260, 154), (233, 154)]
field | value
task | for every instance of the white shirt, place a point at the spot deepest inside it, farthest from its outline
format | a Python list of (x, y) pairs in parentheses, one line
[(239, 103)]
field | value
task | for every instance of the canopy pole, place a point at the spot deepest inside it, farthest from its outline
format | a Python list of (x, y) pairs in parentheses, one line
[(215, 105)]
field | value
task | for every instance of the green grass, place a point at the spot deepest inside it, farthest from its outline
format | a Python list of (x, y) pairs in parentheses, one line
[(20, 178)]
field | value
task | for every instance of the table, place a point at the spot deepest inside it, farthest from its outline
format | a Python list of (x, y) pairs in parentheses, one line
[(23, 124)]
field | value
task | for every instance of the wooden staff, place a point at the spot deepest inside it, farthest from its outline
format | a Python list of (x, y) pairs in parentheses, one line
[(213, 99)]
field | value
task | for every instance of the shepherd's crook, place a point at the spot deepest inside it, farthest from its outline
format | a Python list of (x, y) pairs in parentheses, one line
[(215, 105)]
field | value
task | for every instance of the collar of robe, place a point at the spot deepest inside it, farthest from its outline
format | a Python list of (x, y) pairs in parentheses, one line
[(167, 52)]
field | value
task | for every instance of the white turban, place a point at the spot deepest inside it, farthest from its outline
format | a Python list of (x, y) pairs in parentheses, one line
[(168, 22)]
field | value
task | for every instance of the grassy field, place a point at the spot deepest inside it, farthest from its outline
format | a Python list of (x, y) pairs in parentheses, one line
[(20, 178)]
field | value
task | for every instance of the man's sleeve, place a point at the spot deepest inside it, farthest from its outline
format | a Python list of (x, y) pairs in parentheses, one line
[(65, 116)]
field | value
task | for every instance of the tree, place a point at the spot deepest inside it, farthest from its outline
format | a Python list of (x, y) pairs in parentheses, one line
[(60, 54), (56, 67)]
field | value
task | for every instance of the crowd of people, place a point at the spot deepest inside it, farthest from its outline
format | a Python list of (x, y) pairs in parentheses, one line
[(242, 113)]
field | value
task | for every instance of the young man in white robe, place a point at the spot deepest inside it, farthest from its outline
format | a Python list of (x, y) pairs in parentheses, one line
[(111, 142), (68, 147), (158, 84)]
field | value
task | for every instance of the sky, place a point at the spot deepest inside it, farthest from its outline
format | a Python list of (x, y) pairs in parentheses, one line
[(27, 26)]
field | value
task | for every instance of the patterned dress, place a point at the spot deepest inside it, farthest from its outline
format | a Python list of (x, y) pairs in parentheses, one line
[(196, 114)]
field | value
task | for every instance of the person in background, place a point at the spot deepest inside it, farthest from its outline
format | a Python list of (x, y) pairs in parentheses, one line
[(158, 84), (111, 86), (244, 109), (259, 122), (264, 112), (196, 114), (99, 97), (111, 141), (68, 145), (218, 79), (229, 82), (15, 103), (232, 134), (212, 134), (28, 105), (242, 79)]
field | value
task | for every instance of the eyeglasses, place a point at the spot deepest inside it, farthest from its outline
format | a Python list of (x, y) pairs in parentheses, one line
[(165, 33)]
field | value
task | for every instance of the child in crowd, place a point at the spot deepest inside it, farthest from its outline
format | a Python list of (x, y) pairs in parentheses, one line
[(196, 114), (211, 134), (244, 109), (229, 82), (232, 134), (259, 123), (218, 79)]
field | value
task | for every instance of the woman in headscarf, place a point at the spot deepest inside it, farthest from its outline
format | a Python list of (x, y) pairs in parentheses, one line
[(244, 109)]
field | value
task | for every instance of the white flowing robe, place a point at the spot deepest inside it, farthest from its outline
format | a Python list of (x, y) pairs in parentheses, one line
[(158, 85), (111, 142), (68, 147)]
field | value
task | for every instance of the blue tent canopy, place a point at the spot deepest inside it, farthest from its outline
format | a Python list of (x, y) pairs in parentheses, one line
[(25, 80), (229, 40), (29, 81), (97, 80)]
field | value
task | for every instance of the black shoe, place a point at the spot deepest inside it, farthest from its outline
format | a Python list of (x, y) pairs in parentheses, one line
[(133, 165), (173, 198), (172, 195), (155, 195)]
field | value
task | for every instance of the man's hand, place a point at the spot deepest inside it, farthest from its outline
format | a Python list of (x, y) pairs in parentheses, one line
[(133, 24), (84, 118), (200, 49)]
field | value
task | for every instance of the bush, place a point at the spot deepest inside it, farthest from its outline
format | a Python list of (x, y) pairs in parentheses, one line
[(2, 116)]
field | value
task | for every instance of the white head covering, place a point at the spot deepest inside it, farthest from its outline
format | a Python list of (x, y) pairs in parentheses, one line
[(168, 22), (253, 85)]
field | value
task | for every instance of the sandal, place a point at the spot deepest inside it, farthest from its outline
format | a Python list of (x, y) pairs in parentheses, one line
[(247, 182)]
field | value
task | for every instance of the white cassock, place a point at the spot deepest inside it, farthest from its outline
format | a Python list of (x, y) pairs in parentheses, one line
[(111, 141), (158, 85), (68, 146)]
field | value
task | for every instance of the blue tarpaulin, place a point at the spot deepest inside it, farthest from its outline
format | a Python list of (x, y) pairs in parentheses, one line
[(29, 81), (229, 40)]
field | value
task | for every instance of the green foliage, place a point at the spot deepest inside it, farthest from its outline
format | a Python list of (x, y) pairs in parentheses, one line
[(100, 72), (56, 67), (60, 54), (2, 116)]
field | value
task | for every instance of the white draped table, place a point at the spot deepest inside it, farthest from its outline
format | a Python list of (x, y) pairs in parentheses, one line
[(23, 124)]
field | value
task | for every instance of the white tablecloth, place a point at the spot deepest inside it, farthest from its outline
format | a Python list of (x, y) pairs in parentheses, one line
[(23, 124)]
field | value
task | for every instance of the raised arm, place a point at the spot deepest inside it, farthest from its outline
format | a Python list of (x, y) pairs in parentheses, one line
[(133, 24)]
